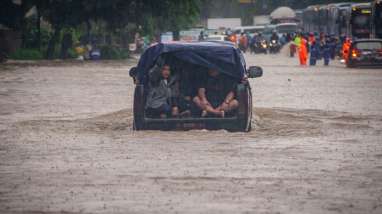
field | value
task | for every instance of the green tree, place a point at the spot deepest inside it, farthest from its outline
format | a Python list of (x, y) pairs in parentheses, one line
[(167, 15), (152, 16), (60, 14), (12, 15)]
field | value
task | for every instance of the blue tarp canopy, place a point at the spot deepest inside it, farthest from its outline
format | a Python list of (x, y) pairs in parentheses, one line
[(222, 56)]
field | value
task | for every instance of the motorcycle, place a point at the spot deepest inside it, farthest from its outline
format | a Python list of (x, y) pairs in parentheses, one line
[(261, 46), (274, 46)]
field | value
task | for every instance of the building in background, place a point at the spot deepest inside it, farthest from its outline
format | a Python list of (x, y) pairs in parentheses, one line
[(218, 9)]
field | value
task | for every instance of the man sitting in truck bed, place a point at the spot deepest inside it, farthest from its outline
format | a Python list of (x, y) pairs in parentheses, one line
[(216, 94)]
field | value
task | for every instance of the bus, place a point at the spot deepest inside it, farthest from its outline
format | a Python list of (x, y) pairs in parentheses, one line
[(338, 18), (330, 19), (361, 20), (323, 14), (311, 19), (377, 19)]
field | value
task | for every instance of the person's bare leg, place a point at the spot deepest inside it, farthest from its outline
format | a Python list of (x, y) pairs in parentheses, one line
[(206, 108), (199, 103), (232, 105), (175, 111), (211, 110)]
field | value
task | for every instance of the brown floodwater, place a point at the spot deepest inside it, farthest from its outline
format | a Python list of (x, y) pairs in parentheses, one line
[(67, 144)]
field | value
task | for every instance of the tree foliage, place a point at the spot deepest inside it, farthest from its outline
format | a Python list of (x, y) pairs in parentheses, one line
[(150, 16), (166, 14), (12, 15), (266, 6)]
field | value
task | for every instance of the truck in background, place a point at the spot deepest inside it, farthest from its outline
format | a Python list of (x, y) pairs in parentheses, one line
[(218, 23), (261, 20)]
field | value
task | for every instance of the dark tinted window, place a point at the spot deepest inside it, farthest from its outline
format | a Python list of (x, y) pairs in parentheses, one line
[(253, 30), (368, 45), (362, 20), (286, 28)]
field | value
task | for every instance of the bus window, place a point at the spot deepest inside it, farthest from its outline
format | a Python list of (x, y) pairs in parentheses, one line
[(252, 31), (361, 22), (378, 19)]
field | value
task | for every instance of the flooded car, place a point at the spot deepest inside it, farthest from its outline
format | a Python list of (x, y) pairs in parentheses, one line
[(184, 66), (365, 52)]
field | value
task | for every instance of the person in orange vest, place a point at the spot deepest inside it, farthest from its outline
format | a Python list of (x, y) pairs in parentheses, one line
[(345, 49), (295, 45), (303, 51), (243, 42)]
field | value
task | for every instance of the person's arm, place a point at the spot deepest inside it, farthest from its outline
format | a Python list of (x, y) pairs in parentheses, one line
[(201, 92), (202, 95), (230, 96)]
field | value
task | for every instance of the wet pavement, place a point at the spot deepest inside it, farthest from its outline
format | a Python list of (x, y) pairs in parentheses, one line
[(67, 145)]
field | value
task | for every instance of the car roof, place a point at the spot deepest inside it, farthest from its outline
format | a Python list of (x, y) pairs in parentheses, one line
[(342, 4), (250, 27), (192, 45), (216, 35), (220, 55), (367, 40), (287, 24)]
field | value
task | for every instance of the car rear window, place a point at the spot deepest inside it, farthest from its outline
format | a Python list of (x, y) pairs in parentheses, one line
[(369, 45), (253, 30), (215, 38)]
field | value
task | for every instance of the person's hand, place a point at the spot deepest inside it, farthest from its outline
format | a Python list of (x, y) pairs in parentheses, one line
[(175, 111), (223, 106), (205, 102), (245, 79), (136, 81)]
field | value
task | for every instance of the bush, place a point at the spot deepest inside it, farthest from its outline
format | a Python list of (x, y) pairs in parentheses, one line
[(109, 52), (30, 34), (72, 54), (124, 54), (26, 54)]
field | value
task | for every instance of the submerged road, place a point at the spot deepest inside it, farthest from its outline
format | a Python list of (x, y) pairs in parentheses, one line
[(67, 145)]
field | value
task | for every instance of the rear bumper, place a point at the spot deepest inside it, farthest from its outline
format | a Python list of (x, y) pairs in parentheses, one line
[(190, 120), (366, 62), (191, 123)]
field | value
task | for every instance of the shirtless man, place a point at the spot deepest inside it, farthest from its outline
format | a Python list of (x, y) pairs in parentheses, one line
[(216, 94)]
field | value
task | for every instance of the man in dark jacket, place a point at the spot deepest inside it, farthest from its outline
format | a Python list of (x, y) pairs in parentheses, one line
[(326, 52), (161, 98), (314, 53)]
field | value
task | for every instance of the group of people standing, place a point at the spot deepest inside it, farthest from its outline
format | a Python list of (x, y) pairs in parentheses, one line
[(316, 47)]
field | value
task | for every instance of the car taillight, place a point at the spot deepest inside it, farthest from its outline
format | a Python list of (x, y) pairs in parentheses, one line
[(380, 52), (355, 53)]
